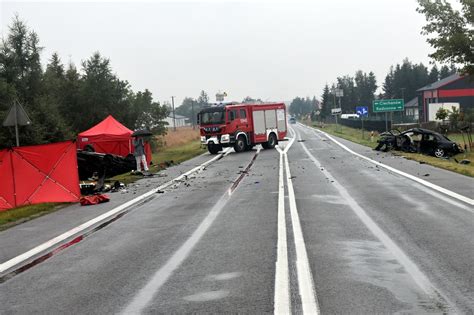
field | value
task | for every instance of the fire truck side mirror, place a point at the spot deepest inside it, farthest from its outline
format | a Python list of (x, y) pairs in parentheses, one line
[(197, 119)]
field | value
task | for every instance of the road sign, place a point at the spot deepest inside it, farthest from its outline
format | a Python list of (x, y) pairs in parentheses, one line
[(336, 111), (381, 106), (362, 111), (339, 92), (17, 116)]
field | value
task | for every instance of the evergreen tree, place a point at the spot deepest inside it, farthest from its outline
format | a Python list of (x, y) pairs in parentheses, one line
[(21, 71), (434, 74), (54, 127), (62, 102), (102, 94), (446, 71), (325, 102), (203, 100), (70, 108), (389, 84)]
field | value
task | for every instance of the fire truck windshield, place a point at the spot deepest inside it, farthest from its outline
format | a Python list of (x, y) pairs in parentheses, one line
[(213, 118)]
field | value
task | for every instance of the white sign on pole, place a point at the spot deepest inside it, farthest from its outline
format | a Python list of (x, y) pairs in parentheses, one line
[(336, 111)]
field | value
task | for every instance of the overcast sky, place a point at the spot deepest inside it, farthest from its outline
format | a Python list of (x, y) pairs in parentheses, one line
[(265, 49)]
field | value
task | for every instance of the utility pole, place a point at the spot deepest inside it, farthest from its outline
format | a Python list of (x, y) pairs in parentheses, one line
[(174, 116), (335, 104), (403, 97), (192, 110)]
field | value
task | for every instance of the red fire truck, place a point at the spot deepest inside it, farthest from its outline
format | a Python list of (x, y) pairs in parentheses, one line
[(242, 126)]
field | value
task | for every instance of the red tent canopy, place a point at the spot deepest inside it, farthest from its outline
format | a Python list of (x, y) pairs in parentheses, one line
[(36, 174), (110, 136)]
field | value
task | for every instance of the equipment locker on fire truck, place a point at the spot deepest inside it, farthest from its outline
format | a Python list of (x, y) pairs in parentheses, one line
[(242, 126)]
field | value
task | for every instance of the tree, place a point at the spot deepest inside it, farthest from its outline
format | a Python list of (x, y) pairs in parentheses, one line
[(389, 85), (404, 79), (454, 117), (366, 85), (20, 69), (326, 102), (203, 99), (71, 88), (61, 102), (442, 114), (187, 106), (53, 125), (301, 106), (434, 74), (102, 94), (452, 31), (446, 71)]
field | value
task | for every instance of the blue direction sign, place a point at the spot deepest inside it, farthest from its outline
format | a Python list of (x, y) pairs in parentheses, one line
[(362, 111)]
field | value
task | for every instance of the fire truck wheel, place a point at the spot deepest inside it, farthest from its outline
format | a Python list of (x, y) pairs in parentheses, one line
[(240, 144), (214, 148), (272, 141)]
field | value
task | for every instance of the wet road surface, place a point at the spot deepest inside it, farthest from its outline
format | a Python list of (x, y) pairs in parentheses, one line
[(309, 228)]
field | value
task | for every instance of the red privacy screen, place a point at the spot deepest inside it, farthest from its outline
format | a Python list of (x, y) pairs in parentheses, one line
[(40, 173)]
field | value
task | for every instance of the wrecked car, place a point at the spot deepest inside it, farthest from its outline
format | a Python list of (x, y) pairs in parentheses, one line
[(104, 165), (418, 140)]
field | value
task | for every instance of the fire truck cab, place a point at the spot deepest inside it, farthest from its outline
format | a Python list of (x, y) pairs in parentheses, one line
[(242, 126)]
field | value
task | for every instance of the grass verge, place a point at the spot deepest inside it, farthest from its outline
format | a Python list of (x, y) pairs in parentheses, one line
[(22, 214), (355, 135)]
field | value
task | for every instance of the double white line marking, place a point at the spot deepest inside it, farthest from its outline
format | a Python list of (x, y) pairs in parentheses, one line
[(282, 302)]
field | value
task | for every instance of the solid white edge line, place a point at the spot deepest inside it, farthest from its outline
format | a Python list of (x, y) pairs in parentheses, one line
[(305, 278), (414, 178), (20, 259), (282, 301)]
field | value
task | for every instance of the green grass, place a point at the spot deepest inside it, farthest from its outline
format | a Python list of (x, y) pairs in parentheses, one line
[(177, 154), (22, 214), (355, 135)]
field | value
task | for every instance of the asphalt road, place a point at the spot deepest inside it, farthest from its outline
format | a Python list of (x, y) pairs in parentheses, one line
[(333, 234)]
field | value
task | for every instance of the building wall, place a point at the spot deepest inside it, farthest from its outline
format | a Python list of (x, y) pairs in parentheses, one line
[(180, 122), (460, 91)]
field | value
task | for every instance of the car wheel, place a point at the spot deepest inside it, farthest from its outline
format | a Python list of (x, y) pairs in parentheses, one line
[(439, 153)]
